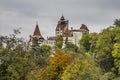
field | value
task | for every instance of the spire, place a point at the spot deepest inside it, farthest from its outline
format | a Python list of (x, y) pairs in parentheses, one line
[(62, 17), (37, 31)]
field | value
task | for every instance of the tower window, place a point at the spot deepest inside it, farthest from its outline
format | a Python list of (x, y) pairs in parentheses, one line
[(62, 22)]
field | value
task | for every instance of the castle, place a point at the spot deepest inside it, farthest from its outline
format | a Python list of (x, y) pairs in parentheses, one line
[(62, 29)]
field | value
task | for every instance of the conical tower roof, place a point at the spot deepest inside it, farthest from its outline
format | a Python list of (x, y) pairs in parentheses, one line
[(62, 18), (37, 31), (83, 26)]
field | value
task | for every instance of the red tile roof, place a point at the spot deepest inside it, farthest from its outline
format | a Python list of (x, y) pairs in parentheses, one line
[(62, 18), (37, 31), (62, 23), (83, 26), (61, 26), (76, 30)]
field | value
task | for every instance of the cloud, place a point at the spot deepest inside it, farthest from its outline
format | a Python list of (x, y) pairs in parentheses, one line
[(96, 14)]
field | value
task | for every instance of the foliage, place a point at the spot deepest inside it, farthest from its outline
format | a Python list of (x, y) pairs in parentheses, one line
[(108, 76), (82, 68), (104, 48), (101, 46), (97, 58), (116, 56), (84, 42), (56, 67), (15, 60), (20, 68), (71, 47), (59, 42), (117, 22), (42, 55), (45, 50), (35, 44), (93, 37)]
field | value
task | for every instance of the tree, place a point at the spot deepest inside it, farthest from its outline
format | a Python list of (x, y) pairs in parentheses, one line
[(104, 46), (15, 62), (71, 47), (55, 68), (116, 56), (117, 22), (20, 67), (45, 50), (35, 43), (93, 37), (59, 42), (81, 68), (84, 42), (42, 55)]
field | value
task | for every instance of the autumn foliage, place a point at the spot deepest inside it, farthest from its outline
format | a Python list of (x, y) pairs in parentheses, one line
[(56, 67)]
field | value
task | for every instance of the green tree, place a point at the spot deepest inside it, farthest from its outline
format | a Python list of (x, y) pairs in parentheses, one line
[(116, 56), (42, 55), (20, 67), (85, 43), (59, 42), (104, 46), (35, 44), (15, 62), (45, 50), (117, 22), (82, 68), (71, 47), (93, 37)]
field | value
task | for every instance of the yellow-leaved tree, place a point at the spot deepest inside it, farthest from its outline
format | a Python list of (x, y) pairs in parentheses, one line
[(82, 68), (55, 68)]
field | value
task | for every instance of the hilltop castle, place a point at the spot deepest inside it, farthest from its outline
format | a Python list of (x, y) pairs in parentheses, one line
[(72, 35)]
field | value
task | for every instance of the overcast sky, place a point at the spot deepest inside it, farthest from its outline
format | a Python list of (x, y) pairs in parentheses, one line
[(96, 14)]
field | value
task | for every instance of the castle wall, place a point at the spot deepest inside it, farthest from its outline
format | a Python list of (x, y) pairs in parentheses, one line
[(76, 37)]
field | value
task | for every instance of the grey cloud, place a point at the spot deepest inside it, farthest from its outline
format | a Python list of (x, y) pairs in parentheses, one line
[(25, 13)]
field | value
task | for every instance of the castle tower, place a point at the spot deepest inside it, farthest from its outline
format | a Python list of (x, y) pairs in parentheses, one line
[(36, 39), (37, 33), (61, 26), (84, 29)]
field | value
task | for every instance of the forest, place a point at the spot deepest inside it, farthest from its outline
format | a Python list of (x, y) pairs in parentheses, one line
[(96, 58)]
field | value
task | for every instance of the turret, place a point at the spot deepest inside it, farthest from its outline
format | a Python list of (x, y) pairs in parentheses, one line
[(61, 26), (37, 33), (84, 29)]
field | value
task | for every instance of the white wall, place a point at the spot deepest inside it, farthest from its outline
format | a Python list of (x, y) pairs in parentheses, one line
[(76, 37)]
